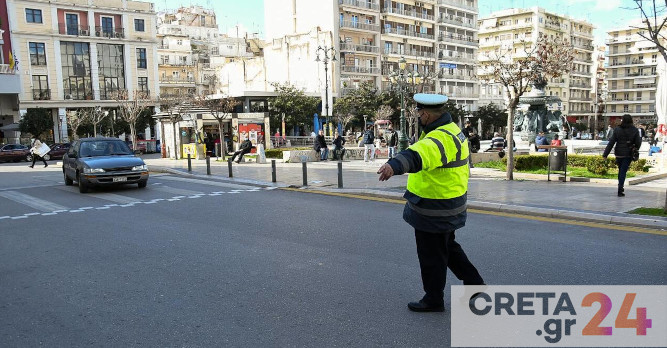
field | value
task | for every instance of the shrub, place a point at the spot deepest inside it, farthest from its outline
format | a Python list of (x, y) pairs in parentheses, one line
[(639, 166), (577, 160), (531, 162), (597, 165)]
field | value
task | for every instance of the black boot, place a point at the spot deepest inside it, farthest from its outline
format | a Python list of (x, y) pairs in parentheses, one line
[(620, 192)]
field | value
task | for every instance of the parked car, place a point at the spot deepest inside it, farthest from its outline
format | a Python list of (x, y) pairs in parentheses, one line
[(102, 162), (14, 152), (57, 151)]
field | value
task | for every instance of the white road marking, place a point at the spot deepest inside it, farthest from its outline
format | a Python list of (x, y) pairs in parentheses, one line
[(176, 191), (33, 202), (206, 182)]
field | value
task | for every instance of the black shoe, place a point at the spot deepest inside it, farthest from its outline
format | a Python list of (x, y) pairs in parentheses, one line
[(621, 194), (30, 166), (422, 306), (46, 165)]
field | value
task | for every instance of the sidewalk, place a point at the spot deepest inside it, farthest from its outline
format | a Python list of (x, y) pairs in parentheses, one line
[(488, 189)]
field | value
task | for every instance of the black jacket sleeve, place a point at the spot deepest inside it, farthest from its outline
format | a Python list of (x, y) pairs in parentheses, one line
[(610, 145), (406, 161)]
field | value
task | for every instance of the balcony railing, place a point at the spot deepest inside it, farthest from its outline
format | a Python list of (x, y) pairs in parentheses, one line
[(415, 14), (584, 73), (360, 69), (365, 4), (460, 76), (458, 3), (177, 63), (360, 26), (5, 69), (41, 94), (112, 33), (81, 30), (466, 40), (449, 55), (460, 21), (359, 48), (143, 94), (172, 79), (413, 53), (113, 94), (398, 31), (580, 84)]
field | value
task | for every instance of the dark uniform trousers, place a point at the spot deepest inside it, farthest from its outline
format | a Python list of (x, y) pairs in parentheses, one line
[(437, 252)]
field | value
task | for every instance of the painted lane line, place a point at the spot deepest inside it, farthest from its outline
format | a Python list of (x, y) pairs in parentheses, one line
[(4, 217), (19, 217), (33, 202), (76, 211), (48, 214), (32, 214), (102, 208), (205, 182), (176, 191)]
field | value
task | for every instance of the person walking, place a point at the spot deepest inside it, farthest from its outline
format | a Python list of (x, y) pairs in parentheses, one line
[(321, 146), (624, 140), (369, 139), (392, 141), (609, 133), (35, 150), (246, 146), (436, 199)]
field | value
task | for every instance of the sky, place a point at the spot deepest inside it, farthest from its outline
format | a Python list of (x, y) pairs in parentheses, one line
[(248, 15)]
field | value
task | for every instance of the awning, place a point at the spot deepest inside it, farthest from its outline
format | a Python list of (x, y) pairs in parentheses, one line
[(12, 127)]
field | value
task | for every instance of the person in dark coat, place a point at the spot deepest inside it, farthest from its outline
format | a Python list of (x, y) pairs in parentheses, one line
[(339, 150), (321, 146), (246, 146), (623, 139)]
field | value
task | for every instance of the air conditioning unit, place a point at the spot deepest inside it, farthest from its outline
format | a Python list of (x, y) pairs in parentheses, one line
[(83, 32), (97, 33), (68, 96), (119, 35)]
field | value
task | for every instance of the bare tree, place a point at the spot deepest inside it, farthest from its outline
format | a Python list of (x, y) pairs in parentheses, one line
[(76, 119), (221, 109), (130, 109), (344, 118), (547, 58), (172, 104), (654, 22), (384, 112), (95, 116)]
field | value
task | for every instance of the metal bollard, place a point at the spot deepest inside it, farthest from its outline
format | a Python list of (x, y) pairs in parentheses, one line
[(189, 163), (340, 174), (208, 165), (229, 164), (273, 170), (305, 173)]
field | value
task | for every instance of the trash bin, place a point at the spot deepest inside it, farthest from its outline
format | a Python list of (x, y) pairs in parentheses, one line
[(558, 159)]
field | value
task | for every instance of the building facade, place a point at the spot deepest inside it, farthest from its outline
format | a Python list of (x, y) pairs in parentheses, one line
[(10, 86), (511, 28), (82, 53), (631, 74)]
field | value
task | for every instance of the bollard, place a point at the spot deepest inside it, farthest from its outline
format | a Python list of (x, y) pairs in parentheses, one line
[(208, 165), (340, 174), (273, 170), (305, 173), (189, 163), (229, 164)]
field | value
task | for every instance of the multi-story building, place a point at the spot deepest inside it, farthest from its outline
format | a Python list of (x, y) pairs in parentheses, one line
[(81, 53), (600, 88), (510, 29), (631, 76), (10, 86)]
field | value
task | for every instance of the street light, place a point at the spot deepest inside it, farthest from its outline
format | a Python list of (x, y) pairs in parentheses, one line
[(329, 53), (403, 80)]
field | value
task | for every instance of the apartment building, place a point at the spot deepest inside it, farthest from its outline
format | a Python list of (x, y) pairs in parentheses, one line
[(10, 86), (81, 53), (631, 74), (600, 88), (437, 39), (508, 29)]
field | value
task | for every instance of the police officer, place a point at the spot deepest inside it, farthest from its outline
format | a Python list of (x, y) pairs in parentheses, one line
[(436, 199)]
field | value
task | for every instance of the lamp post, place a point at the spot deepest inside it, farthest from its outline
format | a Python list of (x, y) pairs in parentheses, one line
[(329, 53), (403, 80)]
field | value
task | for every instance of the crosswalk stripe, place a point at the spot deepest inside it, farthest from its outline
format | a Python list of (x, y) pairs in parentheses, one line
[(206, 182), (112, 197), (33, 202)]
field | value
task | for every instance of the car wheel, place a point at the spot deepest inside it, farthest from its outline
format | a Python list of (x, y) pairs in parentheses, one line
[(47, 157), (28, 158), (68, 181), (83, 188), (142, 184)]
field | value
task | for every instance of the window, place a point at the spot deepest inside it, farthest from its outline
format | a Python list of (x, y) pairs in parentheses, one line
[(40, 87), (72, 23), (139, 25), (37, 53), (111, 70), (179, 42), (143, 84), (33, 16), (141, 58), (75, 57), (107, 26), (638, 108)]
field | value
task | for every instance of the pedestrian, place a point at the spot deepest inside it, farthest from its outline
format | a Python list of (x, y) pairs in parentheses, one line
[(541, 140), (321, 146), (497, 142), (642, 132), (35, 150), (610, 132), (436, 199), (392, 141), (556, 141), (246, 146), (626, 139), (339, 150), (368, 140), (474, 142)]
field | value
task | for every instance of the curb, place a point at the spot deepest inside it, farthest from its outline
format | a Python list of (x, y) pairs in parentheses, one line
[(654, 224), (646, 178)]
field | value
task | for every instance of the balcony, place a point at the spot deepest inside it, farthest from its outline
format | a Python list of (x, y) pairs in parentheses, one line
[(143, 94), (177, 63), (580, 85), (363, 4), (41, 94), (460, 21), (399, 31), (359, 26), (457, 76), (112, 33), (458, 56), (81, 30), (360, 69), (10, 81), (458, 4), (582, 33), (581, 73), (359, 48), (413, 14), (177, 80), (411, 53), (581, 99), (584, 47), (113, 94), (461, 39)]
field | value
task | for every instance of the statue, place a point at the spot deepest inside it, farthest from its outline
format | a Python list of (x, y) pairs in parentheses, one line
[(534, 116)]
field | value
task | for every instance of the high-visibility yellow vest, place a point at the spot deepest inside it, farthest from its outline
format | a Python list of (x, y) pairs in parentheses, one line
[(444, 153)]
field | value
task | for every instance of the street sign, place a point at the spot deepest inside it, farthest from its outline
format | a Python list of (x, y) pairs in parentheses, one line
[(448, 65)]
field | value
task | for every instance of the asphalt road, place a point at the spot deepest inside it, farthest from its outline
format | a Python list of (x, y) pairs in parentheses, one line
[(187, 263)]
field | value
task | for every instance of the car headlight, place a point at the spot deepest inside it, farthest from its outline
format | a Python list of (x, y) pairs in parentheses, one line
[(141, 167), (93, 170)]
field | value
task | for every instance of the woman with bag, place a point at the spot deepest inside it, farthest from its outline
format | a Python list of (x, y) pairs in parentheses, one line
[(627, 140)]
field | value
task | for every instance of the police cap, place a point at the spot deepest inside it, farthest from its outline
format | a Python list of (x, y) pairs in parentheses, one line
[(429, 101)]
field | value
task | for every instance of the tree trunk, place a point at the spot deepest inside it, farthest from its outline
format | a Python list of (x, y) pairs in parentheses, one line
[(133, 136), (510, 135), (223, 147), (95, 130), (175, 126)]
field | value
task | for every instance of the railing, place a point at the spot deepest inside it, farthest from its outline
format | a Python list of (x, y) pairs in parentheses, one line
[(81, 30), (171, 79), (360, 69), (117, 33), (163, 46), (143, 94), (404, 32), (638, 86), (416, 14), (414, 53), (112, 94), (41, 94), (365, 4), (580, 84), (457, 3), (457, 56), (466, 40), (584, 46), (5, 69), (456, 20), (460, 76), (584, 73), (359, 48), (177, 63), (582, 33), (581, 99), (361, 26), (635, 61)]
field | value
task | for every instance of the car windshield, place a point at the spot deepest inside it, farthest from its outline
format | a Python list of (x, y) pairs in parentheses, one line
[(104, 148)]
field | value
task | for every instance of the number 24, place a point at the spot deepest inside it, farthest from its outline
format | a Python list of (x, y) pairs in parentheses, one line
[(623, 321)]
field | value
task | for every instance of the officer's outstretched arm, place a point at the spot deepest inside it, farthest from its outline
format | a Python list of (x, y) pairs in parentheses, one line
[(407, 161)]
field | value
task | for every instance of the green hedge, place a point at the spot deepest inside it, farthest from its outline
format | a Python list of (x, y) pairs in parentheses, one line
[(595, 164)]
